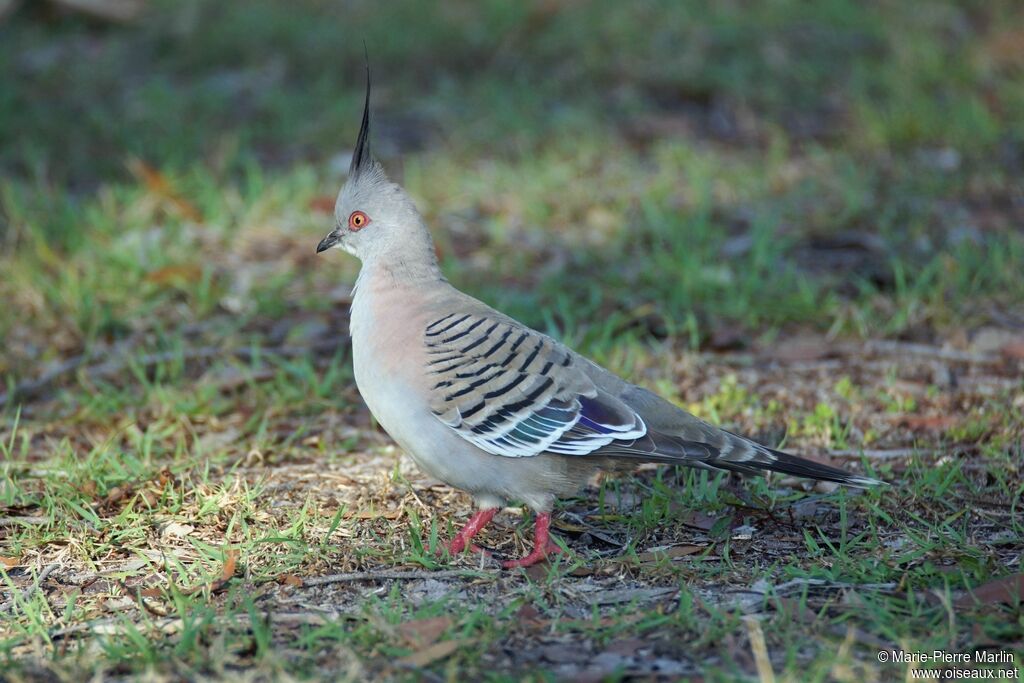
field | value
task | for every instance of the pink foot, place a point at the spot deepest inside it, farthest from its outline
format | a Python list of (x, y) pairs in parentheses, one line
[(542, 544), (463, 539)]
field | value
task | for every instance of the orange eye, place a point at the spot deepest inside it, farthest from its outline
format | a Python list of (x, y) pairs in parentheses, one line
[(358, 220)]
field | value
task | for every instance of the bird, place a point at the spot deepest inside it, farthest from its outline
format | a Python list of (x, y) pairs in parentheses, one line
[(488, 405)]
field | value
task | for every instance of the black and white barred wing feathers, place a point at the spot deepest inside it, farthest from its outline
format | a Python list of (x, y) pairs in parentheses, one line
[(516, 393)]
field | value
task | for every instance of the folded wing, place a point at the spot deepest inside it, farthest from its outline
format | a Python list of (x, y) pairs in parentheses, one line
[(517, 393)]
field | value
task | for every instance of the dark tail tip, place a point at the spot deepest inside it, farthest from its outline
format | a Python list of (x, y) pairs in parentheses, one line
[(784, 463)]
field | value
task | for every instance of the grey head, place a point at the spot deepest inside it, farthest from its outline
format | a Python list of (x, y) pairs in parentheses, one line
[(375, 219)]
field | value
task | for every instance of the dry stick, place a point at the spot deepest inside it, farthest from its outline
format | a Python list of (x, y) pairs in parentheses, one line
[(30, 591), (392, 576), (14, 521), (170, 624), (910, 349)]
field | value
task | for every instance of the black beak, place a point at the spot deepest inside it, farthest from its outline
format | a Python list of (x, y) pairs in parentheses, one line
[(333, 237)]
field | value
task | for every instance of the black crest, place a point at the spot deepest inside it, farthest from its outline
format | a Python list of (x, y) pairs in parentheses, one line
[(361, 155)]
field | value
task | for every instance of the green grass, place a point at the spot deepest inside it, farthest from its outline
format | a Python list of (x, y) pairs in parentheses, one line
[(653, 183)]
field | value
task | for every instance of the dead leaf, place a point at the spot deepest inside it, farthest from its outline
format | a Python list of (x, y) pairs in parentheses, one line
[(227, 572), (152, 592), (699, 520), (150, 498), (230, 565), (1008, 590), (669, 553), (177, 530), (175, 274), (116, 494), (528, 614), (423, 632), (290, 580), (9, 562), (432, 653), (157, 183)]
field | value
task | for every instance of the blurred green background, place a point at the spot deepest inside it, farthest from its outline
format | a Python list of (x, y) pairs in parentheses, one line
[(710, 173)]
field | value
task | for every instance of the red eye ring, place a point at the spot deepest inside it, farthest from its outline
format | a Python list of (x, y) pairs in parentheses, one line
[(358, 220)]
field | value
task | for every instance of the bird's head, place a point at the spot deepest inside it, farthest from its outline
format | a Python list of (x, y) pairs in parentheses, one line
[(375, 218)]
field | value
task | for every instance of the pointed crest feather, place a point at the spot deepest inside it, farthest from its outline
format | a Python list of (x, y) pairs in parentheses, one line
[(361, 155)]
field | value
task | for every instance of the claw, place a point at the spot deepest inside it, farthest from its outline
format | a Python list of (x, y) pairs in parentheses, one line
[(542, 544), (463, 539)]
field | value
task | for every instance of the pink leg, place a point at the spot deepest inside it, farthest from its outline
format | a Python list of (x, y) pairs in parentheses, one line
[(477, 522), (542, 544)]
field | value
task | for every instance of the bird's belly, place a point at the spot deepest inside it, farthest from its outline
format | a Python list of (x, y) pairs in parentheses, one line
[(442, 453)]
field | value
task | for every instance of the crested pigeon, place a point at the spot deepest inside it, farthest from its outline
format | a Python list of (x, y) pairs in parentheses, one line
[(486, 404)]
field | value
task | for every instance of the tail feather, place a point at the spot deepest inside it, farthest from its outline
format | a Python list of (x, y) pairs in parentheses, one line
[(723, 450), (784, 463)]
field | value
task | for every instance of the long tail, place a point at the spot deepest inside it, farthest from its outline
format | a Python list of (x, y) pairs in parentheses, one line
[(721, 450), (776, 461)]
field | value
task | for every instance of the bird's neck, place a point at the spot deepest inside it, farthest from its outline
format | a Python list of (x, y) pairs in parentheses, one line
[(398, 273)]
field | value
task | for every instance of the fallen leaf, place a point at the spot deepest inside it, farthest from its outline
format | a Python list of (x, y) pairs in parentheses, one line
[(157, 183), (699, 520), (669, 553), (150, 497), (9, 562), (230, 565), (1009, 590), (423, 632), (151, 592), (527, 614), (290, 580), (178, 273), (227, 572), (116, 494), (178, 530), (432, 653)]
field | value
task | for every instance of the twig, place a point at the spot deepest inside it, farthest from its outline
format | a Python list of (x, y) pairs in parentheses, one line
[(760, 650), (168, 625), (392, 576), (30, 591), (12, 521), (895, 347)]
